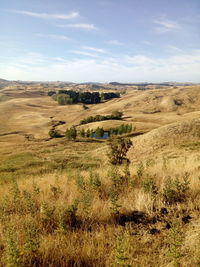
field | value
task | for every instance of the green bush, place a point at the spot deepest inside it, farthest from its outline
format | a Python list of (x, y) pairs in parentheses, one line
[(175, 191), (149, 185)]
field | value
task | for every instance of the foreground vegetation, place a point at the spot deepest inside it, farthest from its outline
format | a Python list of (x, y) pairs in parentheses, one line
[(105, 215)]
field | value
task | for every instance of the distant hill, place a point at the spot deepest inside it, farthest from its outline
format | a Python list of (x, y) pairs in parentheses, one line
[(3, 83), (147, 84), (2, 80)]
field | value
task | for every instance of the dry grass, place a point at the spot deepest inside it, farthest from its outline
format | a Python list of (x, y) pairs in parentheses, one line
[(93, 238), (62, 204)]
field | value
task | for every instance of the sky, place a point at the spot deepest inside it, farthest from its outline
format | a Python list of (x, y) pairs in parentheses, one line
[(100, 40)]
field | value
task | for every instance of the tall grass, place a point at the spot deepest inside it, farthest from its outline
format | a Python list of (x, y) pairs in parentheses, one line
[(103, 215)]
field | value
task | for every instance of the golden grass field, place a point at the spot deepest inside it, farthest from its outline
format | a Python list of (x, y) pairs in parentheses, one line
[(63, 204)]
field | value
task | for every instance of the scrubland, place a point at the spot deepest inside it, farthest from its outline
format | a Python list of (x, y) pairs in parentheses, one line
[(64, 204)]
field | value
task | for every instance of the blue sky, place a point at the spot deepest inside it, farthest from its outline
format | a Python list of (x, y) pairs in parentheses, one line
[(100, 40)]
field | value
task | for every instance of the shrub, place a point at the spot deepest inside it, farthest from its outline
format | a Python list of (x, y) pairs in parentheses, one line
[(95, 181), (149, 185), (118, 150), (12, 252), (175, 191), (175, 242), (54, 133), (67, 218), (117, 114), (122, 246)]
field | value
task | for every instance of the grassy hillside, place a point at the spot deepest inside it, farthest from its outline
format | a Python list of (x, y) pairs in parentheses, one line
[(64, 204)]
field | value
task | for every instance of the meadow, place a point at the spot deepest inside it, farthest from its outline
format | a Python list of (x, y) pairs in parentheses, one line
[(63, 203)]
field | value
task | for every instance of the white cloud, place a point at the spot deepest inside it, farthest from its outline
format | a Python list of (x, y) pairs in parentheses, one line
[(94, 49), (70, 15), (147, 42), (84, 53), (84, 26), (138, 60), (173, 48), (138, 68), (116, 42), (54, 36), (167, 25)]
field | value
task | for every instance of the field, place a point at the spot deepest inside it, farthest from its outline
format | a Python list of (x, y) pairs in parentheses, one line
[(64, 204)]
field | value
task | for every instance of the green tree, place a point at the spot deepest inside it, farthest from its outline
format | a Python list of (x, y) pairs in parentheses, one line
[(71, 133), (118, 150), (82, 133), (121, 129), (88, 133), (64, 99), (99, 132)]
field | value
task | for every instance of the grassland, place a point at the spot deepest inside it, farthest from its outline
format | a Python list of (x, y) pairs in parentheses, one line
[(62, 202)]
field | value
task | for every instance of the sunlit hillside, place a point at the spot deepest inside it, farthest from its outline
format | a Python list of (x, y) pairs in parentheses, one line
[(63, 202)]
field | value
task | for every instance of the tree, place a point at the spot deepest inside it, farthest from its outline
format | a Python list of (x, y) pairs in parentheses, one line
[(64, 99), (88, 133), (99, 132), (118, 150), (121, 129), (82, 133), (71, 133)]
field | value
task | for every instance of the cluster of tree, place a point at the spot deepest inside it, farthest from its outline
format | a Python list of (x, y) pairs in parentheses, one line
[(116, 115), (65, 97), (88, 133), (109, 95), (123, 128), (99, 132), (71, 133)]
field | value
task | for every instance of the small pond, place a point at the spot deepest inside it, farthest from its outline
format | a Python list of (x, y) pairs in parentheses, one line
[(105, 136)]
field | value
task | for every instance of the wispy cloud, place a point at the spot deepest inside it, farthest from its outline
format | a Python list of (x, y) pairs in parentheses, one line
[(173, 48), (83, 53), (84, 26), (54, 36), (166, 25), (116, 42), (94, 49), (147, 42), (183, 67), (70, 15)]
